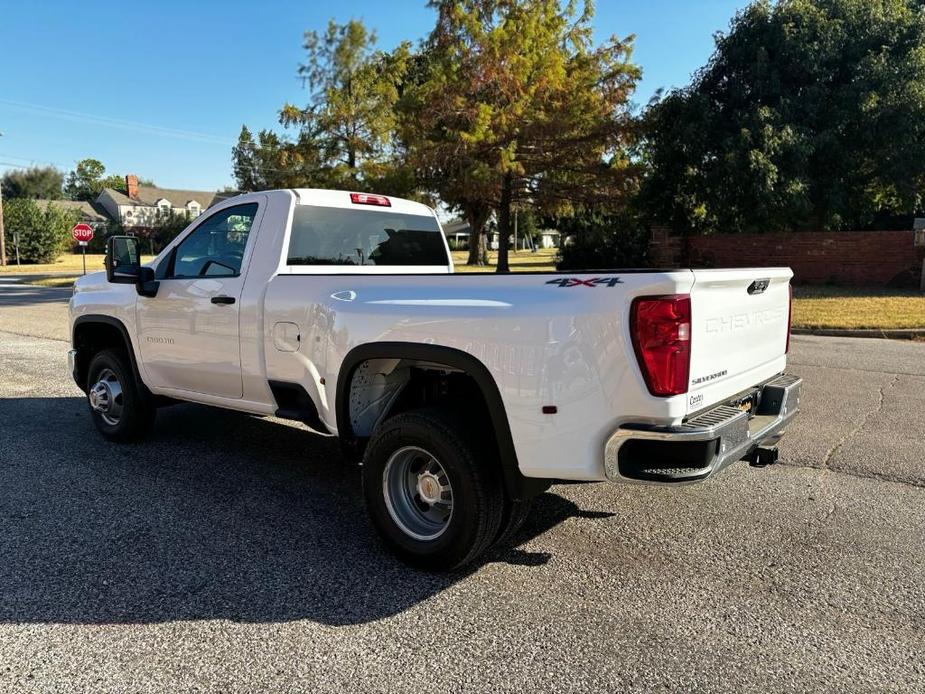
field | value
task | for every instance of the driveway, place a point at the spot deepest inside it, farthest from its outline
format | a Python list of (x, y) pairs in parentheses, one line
[(232, 553)]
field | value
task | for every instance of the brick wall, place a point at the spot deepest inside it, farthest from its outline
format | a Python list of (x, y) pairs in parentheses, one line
[(846, 257)]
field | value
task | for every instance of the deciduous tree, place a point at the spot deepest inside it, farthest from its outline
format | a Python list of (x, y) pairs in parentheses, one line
[(84, 182), (518, 106), (42, 231), (88, 179), (345, 134), (271, 161), (38, 182), (809, 115)]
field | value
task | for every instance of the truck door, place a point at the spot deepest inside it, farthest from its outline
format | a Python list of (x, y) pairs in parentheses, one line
[(189, 334)]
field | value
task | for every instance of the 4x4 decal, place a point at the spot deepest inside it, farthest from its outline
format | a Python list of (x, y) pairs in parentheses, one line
[(593, 282)]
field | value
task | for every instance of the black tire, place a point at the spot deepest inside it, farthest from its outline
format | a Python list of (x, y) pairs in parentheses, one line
[(512, 520), (476, 489), (136, 411)]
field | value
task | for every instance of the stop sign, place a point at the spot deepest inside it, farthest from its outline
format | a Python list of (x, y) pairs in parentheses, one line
[(82, 232)]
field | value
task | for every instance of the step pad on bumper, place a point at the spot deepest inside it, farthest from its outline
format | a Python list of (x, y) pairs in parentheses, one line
[(704, 444)]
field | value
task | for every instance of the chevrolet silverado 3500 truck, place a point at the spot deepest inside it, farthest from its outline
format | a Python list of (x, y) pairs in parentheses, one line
[(464, 396)]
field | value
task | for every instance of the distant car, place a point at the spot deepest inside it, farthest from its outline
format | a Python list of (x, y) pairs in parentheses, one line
[(464, 396)]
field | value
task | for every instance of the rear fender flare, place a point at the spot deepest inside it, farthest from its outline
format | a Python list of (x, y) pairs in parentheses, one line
[(516, 484)]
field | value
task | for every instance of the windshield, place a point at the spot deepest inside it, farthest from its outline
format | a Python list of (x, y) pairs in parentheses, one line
[(344, 236)]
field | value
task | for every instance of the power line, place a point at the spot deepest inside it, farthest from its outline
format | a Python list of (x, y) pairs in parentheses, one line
[(105, 121), (31, 162)]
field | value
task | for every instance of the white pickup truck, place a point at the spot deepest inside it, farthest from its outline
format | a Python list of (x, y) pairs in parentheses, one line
[(464, 395)]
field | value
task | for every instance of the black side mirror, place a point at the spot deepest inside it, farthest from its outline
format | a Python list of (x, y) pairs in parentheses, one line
[(123, 265), (122, 260), (146, 285)]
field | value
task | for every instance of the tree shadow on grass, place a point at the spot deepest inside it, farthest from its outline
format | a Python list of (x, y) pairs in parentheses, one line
[(217, 515)]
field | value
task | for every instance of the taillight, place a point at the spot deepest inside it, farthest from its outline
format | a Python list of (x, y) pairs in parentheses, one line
[(367, 199), (661, 331), (789, 318)]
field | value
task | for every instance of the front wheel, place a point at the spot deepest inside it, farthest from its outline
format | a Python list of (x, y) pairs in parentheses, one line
[(429, 493), (120, 407)]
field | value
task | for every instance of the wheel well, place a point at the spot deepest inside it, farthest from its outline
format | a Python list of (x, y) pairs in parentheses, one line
[(90, 338), (383, 379), (382, 388)]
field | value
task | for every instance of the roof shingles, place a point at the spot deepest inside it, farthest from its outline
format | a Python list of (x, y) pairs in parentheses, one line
[(148, 196)]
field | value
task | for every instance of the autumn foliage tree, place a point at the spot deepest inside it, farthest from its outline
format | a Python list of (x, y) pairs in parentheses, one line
[(345, 133), (518, 106)]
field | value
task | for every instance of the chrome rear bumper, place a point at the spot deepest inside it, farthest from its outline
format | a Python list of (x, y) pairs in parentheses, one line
[(704, 445)]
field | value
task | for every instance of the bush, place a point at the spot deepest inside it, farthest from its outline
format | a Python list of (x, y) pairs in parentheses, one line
[(593, 241), (44, 234), (101, 232), (163, 232)]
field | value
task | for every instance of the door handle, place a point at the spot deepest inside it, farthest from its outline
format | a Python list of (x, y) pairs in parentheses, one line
[(222, 299)]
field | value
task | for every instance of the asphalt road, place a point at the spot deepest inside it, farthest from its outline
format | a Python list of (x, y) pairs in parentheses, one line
[(232, 553)]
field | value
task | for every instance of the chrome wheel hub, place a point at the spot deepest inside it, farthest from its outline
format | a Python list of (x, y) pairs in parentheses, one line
[(106, 397), (417, 492), (429, 489)]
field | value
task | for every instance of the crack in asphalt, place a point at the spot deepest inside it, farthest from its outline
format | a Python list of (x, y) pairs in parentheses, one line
[(837, 446), (876, 410), (37, 337), (791, 364), (919, 484)]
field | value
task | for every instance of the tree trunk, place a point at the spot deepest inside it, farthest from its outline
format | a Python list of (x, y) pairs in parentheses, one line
[(352, 165), (477, 250), (504, 222), (478, 247)]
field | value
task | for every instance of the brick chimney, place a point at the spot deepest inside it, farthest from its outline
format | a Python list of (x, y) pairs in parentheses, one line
[(131, 186)]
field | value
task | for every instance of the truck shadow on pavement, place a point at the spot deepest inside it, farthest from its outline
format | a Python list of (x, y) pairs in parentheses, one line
[(217, 515)]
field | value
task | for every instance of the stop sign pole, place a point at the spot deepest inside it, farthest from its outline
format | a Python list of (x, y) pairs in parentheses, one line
[(83, 234)]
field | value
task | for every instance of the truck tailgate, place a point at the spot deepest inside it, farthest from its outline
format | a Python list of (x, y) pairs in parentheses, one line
[(739, 331)]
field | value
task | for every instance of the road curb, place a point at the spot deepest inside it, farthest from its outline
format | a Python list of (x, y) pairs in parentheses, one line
[(889, 334)]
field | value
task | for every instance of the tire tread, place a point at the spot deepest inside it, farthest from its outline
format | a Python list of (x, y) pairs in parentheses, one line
[(138, 413), (452, 432)]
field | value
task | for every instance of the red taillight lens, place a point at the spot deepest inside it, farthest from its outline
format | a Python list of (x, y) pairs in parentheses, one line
[(367, 199), (661, 330), (789, 318)]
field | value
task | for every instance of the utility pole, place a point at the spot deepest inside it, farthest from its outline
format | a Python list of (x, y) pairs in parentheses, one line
[(2, 234)]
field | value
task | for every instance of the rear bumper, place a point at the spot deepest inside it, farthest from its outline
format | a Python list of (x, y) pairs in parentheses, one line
[(704, 445)]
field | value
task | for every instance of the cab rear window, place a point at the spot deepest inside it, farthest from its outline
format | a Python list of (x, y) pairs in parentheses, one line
[(340, 236)]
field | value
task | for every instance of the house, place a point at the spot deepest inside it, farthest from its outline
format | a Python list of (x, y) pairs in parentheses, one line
[(457, 233), (142, 207), (545, 238), (88, 212), (549, 238)]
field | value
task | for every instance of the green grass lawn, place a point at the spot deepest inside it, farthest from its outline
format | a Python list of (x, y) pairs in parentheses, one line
[(857, 307), (71, 262), (544, 260)]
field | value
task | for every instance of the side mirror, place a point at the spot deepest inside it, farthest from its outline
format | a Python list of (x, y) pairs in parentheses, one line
[(146, 285), (123, 265), (122, 260)]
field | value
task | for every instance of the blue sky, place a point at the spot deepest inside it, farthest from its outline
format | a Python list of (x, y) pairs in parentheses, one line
[(162, 89)]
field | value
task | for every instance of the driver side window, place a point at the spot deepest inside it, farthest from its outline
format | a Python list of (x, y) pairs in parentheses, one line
[(216, 247)]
